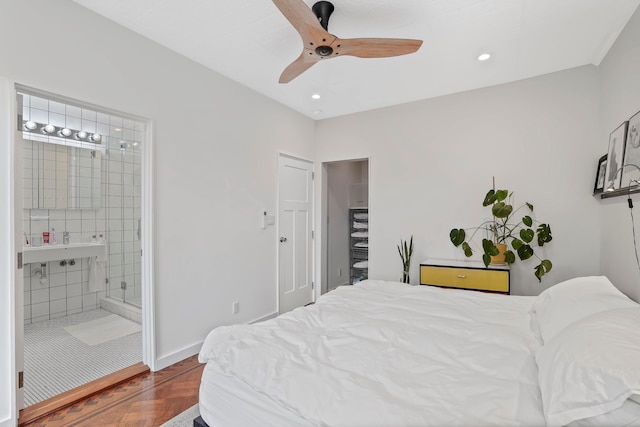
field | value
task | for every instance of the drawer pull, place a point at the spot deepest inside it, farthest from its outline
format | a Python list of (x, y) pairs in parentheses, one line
[(461, 276)]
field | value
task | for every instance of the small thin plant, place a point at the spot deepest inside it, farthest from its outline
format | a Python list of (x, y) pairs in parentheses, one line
[(405, 250)]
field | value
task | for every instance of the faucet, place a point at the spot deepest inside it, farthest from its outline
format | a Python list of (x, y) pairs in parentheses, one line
[(65, 238)]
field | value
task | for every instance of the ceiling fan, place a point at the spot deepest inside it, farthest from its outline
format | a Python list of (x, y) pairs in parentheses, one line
[(318, 43)]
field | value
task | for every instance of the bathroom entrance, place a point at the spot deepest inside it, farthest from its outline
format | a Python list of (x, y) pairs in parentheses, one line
[(79, 178)]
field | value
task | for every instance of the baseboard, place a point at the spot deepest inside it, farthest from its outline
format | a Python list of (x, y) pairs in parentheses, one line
[(186, 352), (267, 317), (170, 359), (9, 422)]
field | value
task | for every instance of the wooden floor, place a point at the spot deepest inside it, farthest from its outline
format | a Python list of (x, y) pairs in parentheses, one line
[(147, 400)]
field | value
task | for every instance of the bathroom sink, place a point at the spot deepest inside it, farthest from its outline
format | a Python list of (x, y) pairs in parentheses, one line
[(57, 252)]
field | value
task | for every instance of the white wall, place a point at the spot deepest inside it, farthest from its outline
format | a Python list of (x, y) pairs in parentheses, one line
[(215, 143), (620, 77), (431, 163)]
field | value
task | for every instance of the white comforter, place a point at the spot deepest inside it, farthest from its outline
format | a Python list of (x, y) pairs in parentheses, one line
[(390, 354)]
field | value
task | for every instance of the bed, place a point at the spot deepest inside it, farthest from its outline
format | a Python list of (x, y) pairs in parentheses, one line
[(390, 354)]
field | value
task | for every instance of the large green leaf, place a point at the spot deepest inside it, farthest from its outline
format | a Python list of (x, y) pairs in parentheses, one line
[(501, 195), (516, 243), (489, 198), (526, 234), (525, 252), (544, 234), (486, 259), (467, 249), (489, 248), (457, 236), (526, 220), (501, 210), (509, 257), (543, 268)]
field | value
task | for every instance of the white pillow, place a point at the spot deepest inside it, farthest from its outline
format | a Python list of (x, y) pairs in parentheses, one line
[(560, 305), (591, 367)]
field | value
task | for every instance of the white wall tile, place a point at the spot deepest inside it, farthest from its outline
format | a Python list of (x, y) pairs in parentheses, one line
[(57, 293), (74, 290), (57, 279), (40, 311), (74, 277), (58, 308), (39, 296), (74, 303), (89, 301)]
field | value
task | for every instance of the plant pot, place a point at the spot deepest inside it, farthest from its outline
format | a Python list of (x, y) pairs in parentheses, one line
[(499, 259)]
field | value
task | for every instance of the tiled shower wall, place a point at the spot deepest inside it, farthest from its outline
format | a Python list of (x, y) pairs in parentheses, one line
[(65, 291)]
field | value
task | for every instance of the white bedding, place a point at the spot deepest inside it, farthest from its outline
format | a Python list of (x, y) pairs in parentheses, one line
[(386, 354)]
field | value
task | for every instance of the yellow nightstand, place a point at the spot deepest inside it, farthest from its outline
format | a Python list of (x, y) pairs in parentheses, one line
[(470, 275)]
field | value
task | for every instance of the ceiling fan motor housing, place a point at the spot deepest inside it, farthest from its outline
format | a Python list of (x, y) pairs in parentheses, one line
[(323, 10)]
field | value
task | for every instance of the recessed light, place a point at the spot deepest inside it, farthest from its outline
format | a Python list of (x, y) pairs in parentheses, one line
[(317, 111), (484, 56), (315, 96)]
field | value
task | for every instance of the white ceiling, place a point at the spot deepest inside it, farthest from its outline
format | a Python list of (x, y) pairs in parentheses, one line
[(250, 42)]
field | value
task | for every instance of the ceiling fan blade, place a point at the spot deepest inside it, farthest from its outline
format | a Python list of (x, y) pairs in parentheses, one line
[(303, 20), (377, 48), (297, 67)]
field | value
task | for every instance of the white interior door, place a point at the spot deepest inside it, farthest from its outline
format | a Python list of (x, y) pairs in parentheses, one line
[(295, 227)]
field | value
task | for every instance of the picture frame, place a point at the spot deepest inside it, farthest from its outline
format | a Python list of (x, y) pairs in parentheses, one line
[(601, 171), (632, 150), (615, 157)]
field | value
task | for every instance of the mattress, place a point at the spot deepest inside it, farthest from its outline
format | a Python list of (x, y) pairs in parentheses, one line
[(378, 354)]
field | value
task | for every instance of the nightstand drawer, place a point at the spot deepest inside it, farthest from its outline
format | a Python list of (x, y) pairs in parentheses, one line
[(465, 278)]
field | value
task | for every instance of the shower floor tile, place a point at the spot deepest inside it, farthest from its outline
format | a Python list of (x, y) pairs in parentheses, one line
[(55, 361)]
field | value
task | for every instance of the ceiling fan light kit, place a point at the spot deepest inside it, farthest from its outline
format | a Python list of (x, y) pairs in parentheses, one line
[(312, 25)]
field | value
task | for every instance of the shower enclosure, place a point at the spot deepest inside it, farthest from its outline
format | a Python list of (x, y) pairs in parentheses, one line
[(122, 177)]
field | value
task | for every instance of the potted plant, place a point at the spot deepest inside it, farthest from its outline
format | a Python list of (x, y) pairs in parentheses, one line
[(510, 233), (405, 252)]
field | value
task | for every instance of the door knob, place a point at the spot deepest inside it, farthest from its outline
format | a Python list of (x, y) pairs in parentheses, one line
[(283, 239)]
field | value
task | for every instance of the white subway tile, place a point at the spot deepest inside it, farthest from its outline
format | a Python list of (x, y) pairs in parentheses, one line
[(58, 292), (74, 290), (40, 311), (57, 119), (58, 307), (74, 276), (74, 123), (39, 296), (57, 279), (74, 303), (89, 115), (89, 301)]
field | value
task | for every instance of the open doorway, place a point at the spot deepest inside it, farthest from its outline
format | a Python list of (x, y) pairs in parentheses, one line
[(79, 218), (346, 215)]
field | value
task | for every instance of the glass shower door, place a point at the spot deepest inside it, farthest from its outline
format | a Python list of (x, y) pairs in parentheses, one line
[(124, 199)]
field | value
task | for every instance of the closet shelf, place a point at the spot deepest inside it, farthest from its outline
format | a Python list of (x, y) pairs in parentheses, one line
[(358, 224)]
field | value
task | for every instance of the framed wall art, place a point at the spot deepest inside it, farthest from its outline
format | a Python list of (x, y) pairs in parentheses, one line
[(632, 150), (598, 187), (615, 157)]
